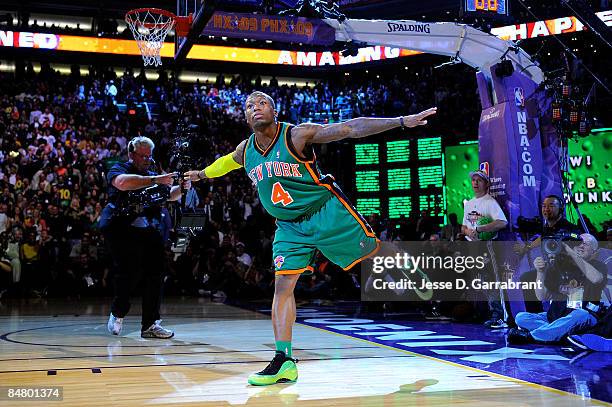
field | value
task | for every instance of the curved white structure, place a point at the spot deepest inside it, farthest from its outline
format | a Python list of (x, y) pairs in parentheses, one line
[(460, 41)]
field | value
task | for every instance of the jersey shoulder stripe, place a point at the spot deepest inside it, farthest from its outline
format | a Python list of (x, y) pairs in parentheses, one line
[(293, 151), (244, 151)]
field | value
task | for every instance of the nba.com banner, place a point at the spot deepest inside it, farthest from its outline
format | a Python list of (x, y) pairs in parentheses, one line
[(511, 149), (511, 152)]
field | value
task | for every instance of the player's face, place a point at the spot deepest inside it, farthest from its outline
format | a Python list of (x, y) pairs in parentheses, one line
[(141, 158), (479, 185), (550, 209), (259, 112)]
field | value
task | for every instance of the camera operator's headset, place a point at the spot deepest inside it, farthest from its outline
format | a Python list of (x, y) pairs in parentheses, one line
[(131, 147)]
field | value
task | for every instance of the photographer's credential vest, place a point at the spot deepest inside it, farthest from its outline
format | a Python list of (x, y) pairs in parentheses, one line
[(289, 187)]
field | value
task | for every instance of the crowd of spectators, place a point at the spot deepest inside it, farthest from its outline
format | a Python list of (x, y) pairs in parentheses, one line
[(59, 135)]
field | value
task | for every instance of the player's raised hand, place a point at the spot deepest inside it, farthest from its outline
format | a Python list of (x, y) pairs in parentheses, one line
[(419, 119)]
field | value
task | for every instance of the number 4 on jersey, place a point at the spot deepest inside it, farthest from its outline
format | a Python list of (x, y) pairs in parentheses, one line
[(280, 195)]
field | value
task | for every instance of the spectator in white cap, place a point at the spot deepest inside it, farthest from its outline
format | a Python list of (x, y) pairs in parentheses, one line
[(482, 219), (482, 206)]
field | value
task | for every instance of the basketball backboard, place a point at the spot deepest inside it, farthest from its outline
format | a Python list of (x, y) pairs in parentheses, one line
[(202, 11)]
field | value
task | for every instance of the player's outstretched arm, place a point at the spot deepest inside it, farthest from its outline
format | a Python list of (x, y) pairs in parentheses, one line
[(221, 166), (309, 133)]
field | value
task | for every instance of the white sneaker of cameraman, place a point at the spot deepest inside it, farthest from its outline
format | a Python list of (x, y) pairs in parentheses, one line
[(114, 324), (157, 331)]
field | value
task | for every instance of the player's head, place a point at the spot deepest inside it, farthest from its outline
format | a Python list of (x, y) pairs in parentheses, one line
[(140, 152), (552, 208), (260, 110), (480, 182)]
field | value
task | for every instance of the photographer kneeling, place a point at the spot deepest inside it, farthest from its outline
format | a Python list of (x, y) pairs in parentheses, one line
[(131, 223), (575, 272)]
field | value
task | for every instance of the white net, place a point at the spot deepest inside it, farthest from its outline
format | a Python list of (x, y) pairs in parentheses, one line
[(150, 28)]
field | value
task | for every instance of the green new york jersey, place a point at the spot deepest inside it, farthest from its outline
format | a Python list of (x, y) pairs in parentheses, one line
[(288, 187)]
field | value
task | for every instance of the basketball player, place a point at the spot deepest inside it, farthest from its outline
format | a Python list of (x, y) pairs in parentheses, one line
[(311, 211)]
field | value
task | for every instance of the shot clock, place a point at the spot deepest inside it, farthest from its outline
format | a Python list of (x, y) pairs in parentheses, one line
[(486, 8)]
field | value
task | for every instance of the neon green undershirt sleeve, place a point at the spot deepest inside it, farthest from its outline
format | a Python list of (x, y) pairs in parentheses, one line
[(221, 166)]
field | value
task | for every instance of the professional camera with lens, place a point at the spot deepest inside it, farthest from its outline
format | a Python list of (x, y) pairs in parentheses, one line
[(146, 201), (153, 196), (552, 245)]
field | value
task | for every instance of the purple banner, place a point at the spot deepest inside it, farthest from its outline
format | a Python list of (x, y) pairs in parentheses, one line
[(276, 28), (518, 147), (510, 147)]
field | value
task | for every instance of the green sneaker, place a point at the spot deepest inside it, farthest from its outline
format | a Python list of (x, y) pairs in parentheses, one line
[(280, 370)]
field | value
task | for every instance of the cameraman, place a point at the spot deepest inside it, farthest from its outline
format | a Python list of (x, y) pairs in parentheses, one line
[(574, 268), (552, 213), (134, 238), (552, 223)]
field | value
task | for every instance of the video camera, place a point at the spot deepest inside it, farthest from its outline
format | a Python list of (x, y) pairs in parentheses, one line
[(136, 202), (552, 245), (151, 196)]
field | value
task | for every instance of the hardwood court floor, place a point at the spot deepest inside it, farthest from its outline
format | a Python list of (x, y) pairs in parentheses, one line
[(215, 348)]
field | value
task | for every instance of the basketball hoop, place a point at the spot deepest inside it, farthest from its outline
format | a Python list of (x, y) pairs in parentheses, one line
[(150, 27)]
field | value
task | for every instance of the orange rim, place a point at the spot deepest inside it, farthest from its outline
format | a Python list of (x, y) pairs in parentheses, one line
[(182, 23), (131, 16)]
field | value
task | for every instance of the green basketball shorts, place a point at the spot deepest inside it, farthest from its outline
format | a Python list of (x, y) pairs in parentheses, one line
[(337, 230)]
